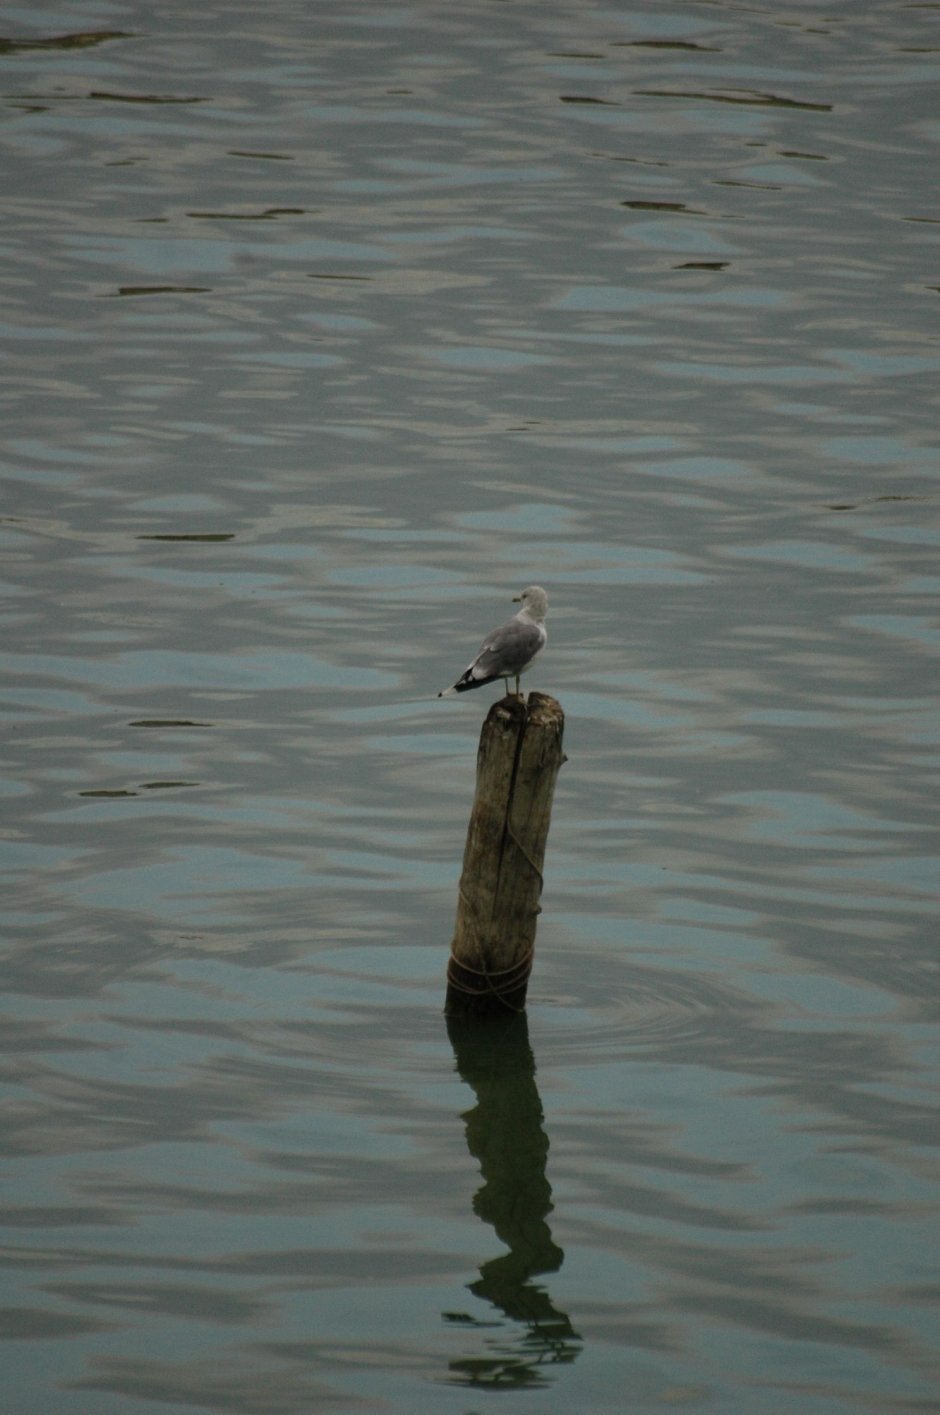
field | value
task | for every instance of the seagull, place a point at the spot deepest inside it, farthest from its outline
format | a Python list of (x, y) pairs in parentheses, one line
[(508, 651)]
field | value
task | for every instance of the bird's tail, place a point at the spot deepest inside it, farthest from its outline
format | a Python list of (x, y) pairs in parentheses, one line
[(464, 684)]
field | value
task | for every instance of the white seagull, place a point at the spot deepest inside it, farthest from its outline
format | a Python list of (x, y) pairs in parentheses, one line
[(508, 651)]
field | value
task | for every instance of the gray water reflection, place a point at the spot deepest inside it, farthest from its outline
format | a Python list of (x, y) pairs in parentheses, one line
[(326, 329), (505, 1133)]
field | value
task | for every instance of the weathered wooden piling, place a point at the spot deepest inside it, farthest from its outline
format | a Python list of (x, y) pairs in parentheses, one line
[(498, 904)]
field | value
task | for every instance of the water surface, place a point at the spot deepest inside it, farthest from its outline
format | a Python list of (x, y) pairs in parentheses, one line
[(326, 329)]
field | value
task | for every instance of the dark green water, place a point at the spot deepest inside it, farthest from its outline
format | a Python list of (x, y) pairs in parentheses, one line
[(326, 329)]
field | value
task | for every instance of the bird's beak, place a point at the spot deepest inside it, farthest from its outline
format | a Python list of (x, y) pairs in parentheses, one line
[(516, 599)]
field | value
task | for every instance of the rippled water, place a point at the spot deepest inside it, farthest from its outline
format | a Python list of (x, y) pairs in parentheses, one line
[(326, 329)]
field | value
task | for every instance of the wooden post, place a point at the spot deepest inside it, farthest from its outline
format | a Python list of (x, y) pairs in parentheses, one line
[(494, 937)]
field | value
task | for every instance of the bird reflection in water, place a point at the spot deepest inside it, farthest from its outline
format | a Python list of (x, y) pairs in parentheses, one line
[(504, 1133)]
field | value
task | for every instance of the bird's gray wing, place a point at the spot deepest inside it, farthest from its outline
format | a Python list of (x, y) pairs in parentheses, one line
[(508, 649)]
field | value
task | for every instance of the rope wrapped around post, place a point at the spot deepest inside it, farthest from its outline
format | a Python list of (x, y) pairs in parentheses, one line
[(501, 987)]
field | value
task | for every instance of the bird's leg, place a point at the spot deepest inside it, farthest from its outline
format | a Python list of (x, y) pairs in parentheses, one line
[(518, 694)]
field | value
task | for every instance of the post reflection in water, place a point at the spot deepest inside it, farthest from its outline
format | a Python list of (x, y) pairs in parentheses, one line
[(505, 1133)]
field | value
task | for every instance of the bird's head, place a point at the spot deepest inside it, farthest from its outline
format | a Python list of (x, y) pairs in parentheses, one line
[(534, 599)]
